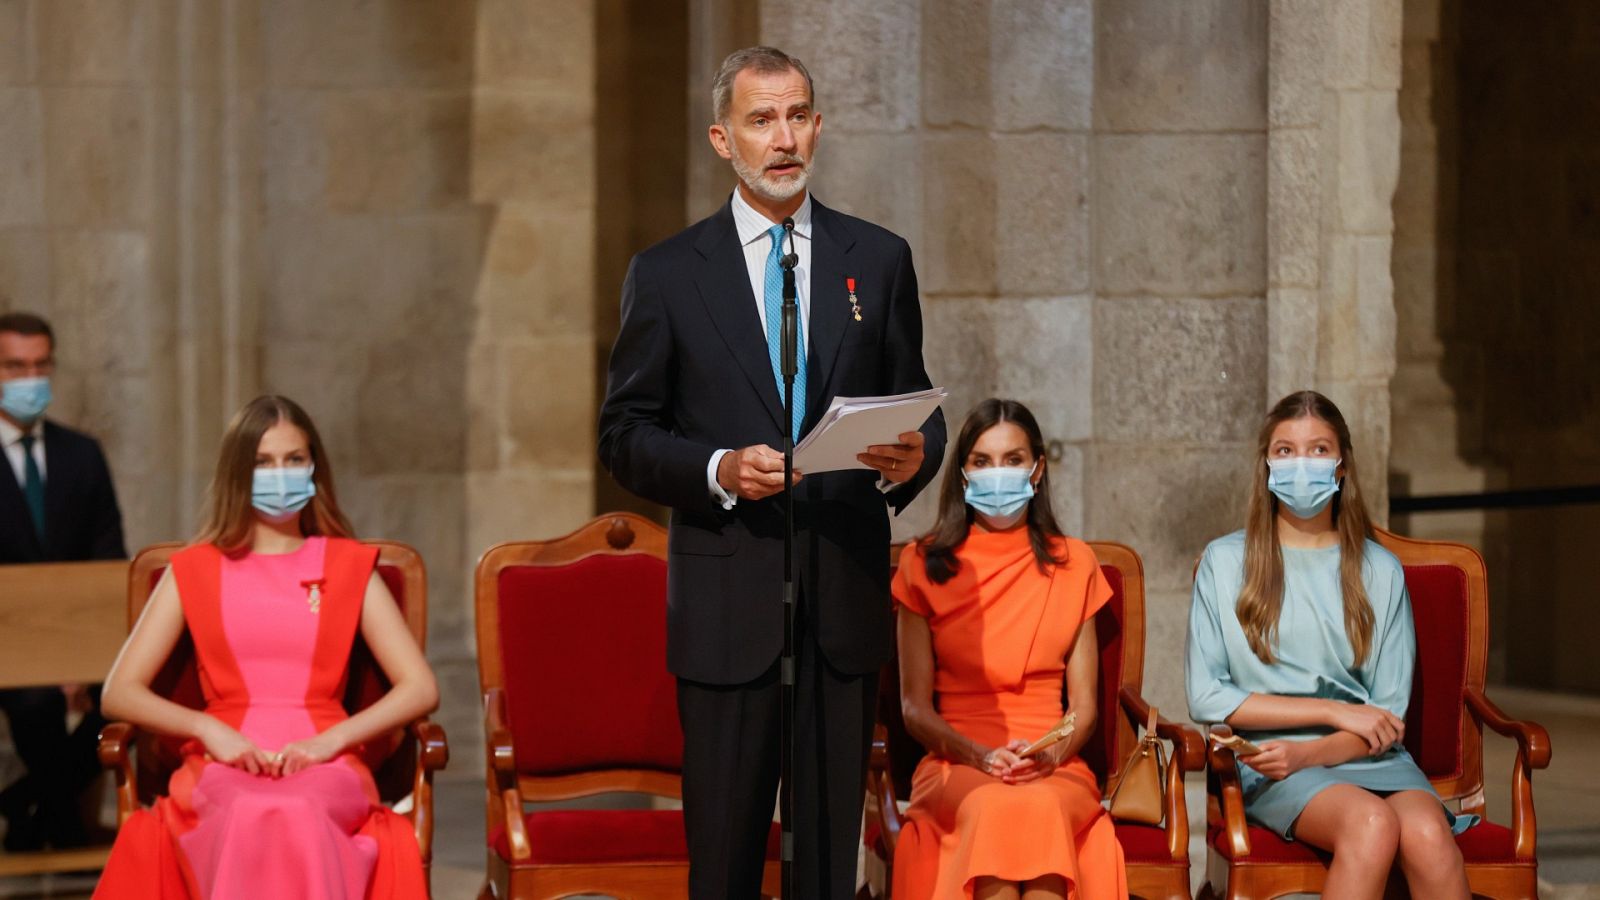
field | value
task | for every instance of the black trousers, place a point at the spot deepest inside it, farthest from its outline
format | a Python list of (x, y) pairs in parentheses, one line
[(42, 806), (730, 777)]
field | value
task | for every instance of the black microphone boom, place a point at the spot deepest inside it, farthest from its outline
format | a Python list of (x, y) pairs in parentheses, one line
[(788, 351)]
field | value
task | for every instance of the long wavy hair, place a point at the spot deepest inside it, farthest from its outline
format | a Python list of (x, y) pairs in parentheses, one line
[(955, 516), (230, 519), (1261, 599)]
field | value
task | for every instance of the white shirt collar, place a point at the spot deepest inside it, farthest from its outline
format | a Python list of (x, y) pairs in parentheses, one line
[(11, 434), (753, 225)]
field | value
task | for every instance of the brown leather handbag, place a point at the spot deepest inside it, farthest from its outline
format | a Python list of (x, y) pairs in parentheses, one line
[(1139, 794)]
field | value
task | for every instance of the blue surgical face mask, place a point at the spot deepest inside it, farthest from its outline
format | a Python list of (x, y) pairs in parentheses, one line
[(1000, 493), (280, 493), (25, 399), (1303, 484)]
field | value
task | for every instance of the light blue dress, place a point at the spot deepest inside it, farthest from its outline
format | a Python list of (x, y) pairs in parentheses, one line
[(1313, 659)]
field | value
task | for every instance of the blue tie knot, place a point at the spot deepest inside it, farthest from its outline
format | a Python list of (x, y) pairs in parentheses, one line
[(772, 303)]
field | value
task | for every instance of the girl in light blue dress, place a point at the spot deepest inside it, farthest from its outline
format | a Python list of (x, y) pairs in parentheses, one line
[(1301, 639)]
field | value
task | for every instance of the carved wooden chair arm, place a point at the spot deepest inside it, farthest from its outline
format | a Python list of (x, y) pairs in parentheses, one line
[(433, 749), (880, 784), (1226, 773), (1533, 741), (1533, 752), (116, 754), (1188, 747), (433, 753), (503, 774)]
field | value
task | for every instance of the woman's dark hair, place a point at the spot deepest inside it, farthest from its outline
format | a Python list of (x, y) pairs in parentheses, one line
[(955, 516)]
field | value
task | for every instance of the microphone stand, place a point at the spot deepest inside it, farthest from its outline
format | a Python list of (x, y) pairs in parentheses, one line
[(788, 348)]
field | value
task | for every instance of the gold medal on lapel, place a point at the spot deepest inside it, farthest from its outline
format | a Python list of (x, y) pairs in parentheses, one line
[(313, 594), (855, 305)]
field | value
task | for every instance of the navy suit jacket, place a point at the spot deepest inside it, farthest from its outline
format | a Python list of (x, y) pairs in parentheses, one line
[(690, 374), (82, 521)]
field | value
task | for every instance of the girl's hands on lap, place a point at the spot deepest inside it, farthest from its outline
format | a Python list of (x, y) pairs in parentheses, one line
[(1377, 726), (227, 746), (1278, 759), (300, 755)]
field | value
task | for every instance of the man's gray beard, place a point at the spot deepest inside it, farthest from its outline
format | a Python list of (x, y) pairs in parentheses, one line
[(768, 187)]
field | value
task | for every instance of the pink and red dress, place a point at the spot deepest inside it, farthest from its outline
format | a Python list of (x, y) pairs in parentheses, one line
[(272, 661)]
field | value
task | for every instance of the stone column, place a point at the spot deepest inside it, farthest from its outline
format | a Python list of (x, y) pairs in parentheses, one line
[(1180, 318), (125, 219), (530, 376), (1334, 151), (372, 245), (716, 28)]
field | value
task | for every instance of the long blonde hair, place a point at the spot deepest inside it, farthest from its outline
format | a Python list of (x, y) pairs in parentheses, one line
[(231, 519), (1261, 598)]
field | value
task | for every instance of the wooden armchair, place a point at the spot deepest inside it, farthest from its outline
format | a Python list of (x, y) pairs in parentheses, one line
[(578, 701), (1444, 733), (1157, 857), (144, 762)]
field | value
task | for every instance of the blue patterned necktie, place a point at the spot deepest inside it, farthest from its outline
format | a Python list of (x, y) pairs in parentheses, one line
[(33, 486), (773, 302)]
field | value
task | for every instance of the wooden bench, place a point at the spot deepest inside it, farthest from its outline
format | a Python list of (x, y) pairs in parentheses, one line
[(60, 623)]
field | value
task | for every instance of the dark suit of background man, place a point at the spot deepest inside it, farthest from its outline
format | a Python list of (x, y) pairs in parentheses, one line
[(691, 417), (56, 505)]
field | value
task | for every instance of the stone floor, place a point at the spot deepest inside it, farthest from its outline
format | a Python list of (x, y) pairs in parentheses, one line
[(1567, 794)]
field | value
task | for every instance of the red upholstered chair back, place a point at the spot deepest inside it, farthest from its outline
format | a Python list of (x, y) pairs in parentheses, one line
[(403, 573), (1120, 630), (1449, 603), (572, 631)]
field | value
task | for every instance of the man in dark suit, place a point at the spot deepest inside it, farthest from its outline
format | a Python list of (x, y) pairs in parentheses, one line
[(692, 415), (56, 505)]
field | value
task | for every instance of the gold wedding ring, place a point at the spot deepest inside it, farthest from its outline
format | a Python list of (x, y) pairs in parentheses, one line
[(894, 465)]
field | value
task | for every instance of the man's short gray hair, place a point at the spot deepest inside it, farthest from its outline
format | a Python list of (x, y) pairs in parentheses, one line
[(764, 61)]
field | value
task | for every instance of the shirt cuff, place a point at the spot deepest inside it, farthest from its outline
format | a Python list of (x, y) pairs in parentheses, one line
[(717, 493), (885, 485)]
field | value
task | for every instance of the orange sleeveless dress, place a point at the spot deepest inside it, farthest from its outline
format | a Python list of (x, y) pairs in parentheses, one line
[(1001, 634)]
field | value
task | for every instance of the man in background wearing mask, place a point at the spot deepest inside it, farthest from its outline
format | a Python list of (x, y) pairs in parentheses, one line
[(56, 505)]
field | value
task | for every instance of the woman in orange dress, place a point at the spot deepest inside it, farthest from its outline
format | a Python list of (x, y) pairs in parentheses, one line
[(993, 608), (273, 799)]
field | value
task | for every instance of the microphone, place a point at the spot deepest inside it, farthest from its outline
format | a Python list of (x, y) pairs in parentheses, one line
[(791, 259), (789, 329)]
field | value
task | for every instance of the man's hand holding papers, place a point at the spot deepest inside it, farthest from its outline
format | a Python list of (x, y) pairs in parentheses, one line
[(886, 427)]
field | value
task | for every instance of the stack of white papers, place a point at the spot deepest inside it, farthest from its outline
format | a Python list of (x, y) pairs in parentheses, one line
[(852, 424)]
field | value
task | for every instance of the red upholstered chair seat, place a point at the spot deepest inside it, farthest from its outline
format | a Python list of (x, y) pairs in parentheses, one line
[(1146, 845), (1485, 842), (1433, 718), (626, 712), (577, 702), (606, 837)]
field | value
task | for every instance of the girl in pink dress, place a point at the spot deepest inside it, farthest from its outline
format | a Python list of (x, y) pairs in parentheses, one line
[(272, 799)]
